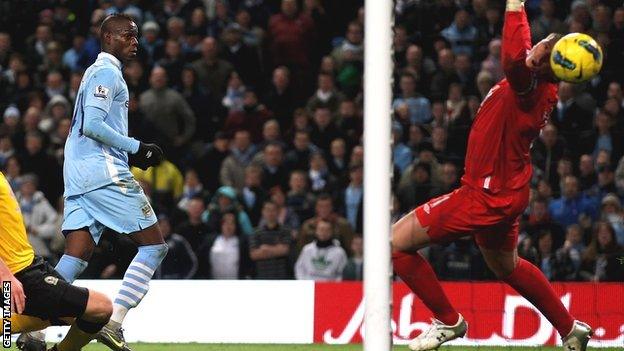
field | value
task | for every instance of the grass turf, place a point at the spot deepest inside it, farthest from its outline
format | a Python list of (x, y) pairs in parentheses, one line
[(315, 347)]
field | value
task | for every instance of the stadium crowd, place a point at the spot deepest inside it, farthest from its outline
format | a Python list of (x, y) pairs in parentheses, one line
[(258, 106)]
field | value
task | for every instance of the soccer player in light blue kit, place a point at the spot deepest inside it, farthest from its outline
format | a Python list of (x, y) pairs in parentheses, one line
[(100, 191)]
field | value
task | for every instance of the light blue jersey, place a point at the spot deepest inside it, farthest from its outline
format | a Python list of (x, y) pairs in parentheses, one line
[(98, 143)]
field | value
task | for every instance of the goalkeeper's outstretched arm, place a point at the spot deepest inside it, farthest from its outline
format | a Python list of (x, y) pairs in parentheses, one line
[(516, 44)]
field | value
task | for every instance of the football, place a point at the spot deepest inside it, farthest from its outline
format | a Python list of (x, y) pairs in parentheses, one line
[(576, 58)]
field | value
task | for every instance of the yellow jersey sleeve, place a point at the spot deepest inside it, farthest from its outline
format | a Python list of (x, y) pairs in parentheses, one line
[(15, 250)]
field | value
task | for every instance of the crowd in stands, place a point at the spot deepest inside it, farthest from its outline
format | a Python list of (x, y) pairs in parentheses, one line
[(258, 105)]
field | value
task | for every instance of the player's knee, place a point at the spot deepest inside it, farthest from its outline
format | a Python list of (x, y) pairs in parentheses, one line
[(502, 269), (158, 251), (99, 307), (81, 252)]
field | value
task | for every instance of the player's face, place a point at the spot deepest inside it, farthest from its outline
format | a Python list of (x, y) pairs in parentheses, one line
[(538, 59), (126, 40)]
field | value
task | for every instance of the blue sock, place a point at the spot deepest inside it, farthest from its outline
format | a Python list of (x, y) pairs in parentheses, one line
[(136, 280), (70, 267)]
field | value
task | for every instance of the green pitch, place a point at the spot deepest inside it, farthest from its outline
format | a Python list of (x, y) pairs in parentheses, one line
[(264, 347)]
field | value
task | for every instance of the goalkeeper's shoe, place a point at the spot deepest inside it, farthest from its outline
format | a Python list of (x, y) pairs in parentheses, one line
[(578, 337), (438, 334), (113, 338), (31, 341)]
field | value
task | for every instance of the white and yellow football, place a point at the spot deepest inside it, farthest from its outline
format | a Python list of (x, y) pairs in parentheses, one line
[(576, 58)]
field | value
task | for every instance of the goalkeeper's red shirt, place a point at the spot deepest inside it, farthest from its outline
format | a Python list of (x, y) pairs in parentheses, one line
[(509, 119)]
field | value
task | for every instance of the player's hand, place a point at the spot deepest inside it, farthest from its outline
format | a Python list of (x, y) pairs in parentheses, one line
[(18, 298), (147, 156)]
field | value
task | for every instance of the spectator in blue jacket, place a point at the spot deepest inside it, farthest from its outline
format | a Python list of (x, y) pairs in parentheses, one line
[(572, 204)]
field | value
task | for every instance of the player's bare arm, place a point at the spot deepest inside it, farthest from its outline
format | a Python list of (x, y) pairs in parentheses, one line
[(18, 298)]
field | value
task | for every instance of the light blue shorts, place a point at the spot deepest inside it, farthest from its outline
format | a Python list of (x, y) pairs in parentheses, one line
[(120, 206)]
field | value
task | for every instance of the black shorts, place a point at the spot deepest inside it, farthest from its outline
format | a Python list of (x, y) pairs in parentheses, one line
[(48, 295)]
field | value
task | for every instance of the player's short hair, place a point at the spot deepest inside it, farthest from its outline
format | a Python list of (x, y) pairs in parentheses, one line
[(111, 20)]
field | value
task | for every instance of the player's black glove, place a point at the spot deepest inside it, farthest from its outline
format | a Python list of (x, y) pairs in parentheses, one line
[(147, 156)]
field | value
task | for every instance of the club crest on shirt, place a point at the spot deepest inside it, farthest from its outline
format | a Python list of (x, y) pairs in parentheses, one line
[(101, 92), (147, 210), (51, 280)]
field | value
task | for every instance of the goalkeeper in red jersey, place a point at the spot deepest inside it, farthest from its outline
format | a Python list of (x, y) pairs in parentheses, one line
[(493, 194)]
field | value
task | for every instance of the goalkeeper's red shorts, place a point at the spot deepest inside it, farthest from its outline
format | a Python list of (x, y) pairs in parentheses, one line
[(491, 218)]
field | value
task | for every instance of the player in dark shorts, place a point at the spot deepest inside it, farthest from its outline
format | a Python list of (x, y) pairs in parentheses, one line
[(40, 297)]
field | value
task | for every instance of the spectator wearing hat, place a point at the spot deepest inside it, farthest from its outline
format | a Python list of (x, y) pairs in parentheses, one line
[(225, 254), (39, 215), (611, 212), (212, 71), (323, 259), (152, 46), (11, 119), (181, 261), (226, 200), (252, 117), (169, 113), (270, 246)]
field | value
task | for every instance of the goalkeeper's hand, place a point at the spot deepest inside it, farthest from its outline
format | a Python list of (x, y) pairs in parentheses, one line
[(147, 156), (514, 5)]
